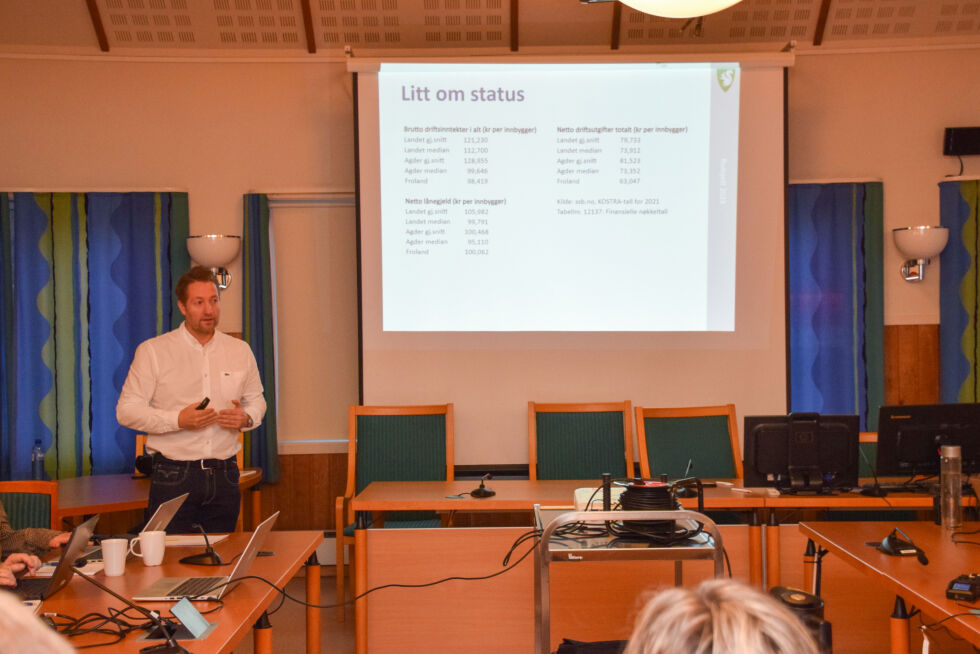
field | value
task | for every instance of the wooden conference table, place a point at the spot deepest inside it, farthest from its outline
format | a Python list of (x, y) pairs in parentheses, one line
[(243, 607), (851, 501), (79, 496), (921, 585), (439, 548), (381, 556)]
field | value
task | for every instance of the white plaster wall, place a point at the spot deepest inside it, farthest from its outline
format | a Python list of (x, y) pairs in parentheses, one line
[(881, 117), (214, 129)]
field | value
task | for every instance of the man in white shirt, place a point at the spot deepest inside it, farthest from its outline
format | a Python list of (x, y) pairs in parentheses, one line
[(194, 446)]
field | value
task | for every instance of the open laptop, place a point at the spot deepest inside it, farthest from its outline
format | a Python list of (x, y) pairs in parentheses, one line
[(169, 589), (157, 522), (34, 588)]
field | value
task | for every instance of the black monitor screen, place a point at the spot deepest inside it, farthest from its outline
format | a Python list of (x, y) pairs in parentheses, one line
[(802, 452), (909, 437)]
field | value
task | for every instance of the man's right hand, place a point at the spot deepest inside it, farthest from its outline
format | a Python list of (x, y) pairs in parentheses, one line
[(190, 417)]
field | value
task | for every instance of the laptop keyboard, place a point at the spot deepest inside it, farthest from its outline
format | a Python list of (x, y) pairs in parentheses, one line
[(196, 586)]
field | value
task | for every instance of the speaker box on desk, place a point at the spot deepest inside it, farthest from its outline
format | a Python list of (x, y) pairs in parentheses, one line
[(961, 140)]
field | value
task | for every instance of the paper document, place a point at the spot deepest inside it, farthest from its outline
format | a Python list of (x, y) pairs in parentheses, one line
[(48, 567), (192, 540)]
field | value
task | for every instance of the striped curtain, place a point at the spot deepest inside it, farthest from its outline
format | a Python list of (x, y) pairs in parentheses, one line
[(85, 278), (262, 448), (959, 335), (836, 306)]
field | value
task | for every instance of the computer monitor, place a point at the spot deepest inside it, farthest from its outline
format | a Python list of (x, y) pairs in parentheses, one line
[(802, 452), (909, 438)]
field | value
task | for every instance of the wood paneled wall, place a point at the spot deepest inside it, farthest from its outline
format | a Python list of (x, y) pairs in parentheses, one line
[(911, 364), (309, 484), (308, 487)]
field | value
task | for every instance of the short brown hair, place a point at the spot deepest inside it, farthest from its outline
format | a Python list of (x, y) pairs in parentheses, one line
[(195, 274)]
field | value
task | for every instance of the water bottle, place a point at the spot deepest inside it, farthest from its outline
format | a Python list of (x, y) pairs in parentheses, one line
[(951, 486), (37, 461)]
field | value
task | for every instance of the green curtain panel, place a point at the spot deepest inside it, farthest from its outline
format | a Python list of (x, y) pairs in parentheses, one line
[(262, 446), (85, 277), (959, 334), (836, 305)]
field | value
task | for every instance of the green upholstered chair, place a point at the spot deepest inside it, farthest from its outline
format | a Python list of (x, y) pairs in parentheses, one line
[(30, 503), (706, 436), (580, 441), (392, 443)]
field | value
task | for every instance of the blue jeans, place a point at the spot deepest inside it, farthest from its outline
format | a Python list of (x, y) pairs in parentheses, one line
[(214, 498)]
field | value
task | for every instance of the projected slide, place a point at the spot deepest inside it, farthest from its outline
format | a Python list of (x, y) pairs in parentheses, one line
[(540, 197)]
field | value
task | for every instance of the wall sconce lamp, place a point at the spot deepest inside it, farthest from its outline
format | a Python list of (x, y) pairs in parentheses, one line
[(919, 244), (215, 251)]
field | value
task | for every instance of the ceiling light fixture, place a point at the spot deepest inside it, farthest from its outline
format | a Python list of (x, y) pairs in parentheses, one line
[(679, 8)]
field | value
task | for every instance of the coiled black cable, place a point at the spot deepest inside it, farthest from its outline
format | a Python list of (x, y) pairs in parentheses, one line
[(658, 497)]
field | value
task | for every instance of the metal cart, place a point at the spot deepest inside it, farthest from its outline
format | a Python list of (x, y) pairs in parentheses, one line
[(591, 547)]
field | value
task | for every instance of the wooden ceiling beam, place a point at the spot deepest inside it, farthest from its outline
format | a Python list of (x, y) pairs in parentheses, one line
[(308, 26), (617, 21), (821, 22), (514, 25), (93, 12)]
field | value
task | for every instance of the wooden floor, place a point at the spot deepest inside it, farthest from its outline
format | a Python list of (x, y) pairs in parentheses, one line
[(289, 624)]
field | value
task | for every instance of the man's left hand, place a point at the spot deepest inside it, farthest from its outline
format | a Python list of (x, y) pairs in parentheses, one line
[(234, 418)]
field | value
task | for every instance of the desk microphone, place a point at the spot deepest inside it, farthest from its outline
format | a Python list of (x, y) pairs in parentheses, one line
[(687, 491), (164, 628), (895, 546), (207, 557), (876, 490), (483, 491)]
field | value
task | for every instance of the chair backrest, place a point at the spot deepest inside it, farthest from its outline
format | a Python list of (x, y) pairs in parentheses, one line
[(580, 441), (399, 443), (240, 457), (705, 436), (30, 503)]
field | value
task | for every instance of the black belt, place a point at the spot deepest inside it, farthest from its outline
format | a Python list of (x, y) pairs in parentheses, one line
[(230, 462)]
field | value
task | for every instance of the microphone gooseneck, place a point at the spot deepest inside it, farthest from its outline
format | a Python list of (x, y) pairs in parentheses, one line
[(166, 630), (919, 554), (207, 557), (876, 490)]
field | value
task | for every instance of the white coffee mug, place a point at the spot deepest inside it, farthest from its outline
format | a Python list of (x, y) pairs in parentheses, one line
[(114, 551), (151, 546)]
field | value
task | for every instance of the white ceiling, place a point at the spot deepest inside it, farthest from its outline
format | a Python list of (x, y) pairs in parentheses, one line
[(387, 27)]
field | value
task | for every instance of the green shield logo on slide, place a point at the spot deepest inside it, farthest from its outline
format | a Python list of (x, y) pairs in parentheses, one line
[(726, 77)]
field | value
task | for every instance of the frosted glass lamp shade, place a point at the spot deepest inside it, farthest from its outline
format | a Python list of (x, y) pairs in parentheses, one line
[(679, 8), (922, 242), (214, 250), (919, 244)]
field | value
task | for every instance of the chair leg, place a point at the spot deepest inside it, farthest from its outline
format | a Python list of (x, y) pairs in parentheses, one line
[(341, 595)]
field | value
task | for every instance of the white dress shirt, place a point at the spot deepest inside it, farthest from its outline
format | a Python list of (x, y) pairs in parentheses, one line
[(173, 370)]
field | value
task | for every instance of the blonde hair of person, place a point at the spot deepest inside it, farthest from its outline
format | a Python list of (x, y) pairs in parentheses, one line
[(718, 617), (23, 632)]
